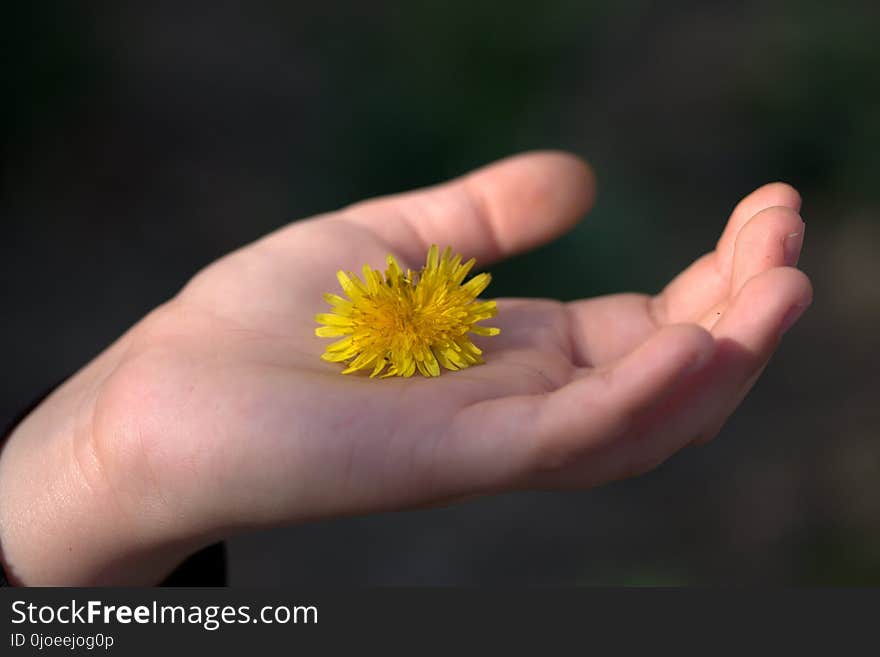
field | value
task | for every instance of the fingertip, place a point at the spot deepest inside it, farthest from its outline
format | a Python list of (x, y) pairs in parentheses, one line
[(775, 194), (791, 317), (788, 284), (584, 179), (564, 162), (772, 238), (579, 173), (757, 315), (803, 299), (559, 178), (800, 282), (530, 198), (781, 194)]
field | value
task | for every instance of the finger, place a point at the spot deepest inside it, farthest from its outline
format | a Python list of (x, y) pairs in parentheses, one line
[(632, 383), (603, 329), (542, 436), (744, 340), (706, 283), (746, 337), (749, 333), (494, 212), (772, 238), (777, 194)]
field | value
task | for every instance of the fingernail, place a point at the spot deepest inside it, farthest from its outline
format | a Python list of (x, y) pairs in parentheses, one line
[(791, 317), (791, 246)]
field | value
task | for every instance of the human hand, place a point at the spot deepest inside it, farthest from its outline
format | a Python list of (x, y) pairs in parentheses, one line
[(215, 414)]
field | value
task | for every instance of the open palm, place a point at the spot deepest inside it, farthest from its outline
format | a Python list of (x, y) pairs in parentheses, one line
[(217, 405)]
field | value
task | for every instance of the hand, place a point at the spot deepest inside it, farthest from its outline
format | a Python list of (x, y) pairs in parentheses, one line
[(215, 414)]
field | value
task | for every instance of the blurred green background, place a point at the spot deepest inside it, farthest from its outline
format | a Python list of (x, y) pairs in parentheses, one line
[(142, 140)]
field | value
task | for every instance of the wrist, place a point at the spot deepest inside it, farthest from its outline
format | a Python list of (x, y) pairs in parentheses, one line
[(64, 518)]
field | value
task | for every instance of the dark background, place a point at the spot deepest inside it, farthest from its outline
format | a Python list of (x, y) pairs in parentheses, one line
[(141, 140)]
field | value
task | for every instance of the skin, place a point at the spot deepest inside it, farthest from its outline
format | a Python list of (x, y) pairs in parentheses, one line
[(214, 415)]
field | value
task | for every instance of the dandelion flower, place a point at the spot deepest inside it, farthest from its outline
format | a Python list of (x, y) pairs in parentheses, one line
[(408, 322)]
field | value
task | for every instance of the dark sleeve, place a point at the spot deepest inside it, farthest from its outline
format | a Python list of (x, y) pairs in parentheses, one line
[(204, 568)]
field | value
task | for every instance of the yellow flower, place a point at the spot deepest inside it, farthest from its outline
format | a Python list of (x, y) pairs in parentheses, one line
[(408, 322)]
